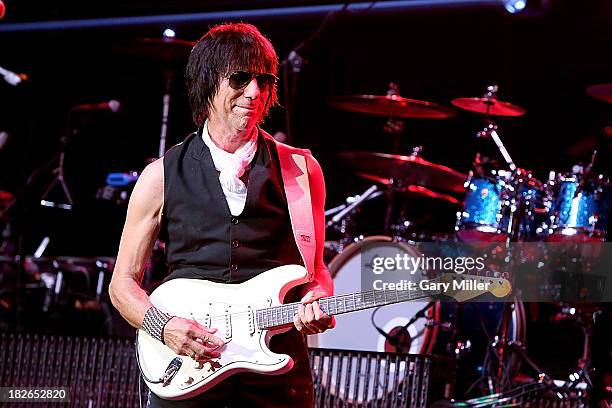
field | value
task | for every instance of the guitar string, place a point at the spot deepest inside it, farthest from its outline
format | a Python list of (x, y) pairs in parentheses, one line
[(365, 296), (339, 298)]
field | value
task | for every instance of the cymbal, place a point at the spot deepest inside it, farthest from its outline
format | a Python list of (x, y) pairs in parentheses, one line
[(490, 106), (603, 92), (166, 49), (5, 200), (392, 105), (425, 192), (407, 170), (5, 196)]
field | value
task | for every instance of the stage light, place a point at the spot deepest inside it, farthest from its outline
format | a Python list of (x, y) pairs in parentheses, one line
[(390, 6), (169, 33), (515, 6)]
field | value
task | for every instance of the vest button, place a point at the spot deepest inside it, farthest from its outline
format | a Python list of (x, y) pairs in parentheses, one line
[(235, 243), (234, 267), (235, 220)]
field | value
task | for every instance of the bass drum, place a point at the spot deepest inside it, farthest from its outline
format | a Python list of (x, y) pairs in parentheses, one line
[(356, 331)]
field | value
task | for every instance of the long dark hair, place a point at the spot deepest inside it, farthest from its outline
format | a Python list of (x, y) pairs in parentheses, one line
[(223, 49)]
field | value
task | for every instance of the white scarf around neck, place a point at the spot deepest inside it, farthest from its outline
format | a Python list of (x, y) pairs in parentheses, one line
[(231, 167)]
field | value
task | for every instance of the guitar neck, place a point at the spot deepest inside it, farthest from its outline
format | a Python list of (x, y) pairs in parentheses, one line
[(340, 304)]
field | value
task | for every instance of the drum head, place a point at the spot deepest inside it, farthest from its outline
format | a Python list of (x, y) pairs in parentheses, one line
[(355, 331)]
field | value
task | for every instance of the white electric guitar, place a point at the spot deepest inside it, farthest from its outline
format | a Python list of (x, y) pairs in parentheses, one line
[(248, 314)]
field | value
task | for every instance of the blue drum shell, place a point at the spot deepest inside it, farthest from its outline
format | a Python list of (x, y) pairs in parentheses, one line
[(483, 203), (583, 208)]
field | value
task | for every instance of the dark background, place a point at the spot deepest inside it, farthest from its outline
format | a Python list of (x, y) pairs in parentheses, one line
[(542, 59)]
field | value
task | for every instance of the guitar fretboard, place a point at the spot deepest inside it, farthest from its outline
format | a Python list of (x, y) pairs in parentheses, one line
[(335, 305)]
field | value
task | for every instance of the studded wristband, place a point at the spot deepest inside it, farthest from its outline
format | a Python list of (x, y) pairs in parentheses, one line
[(154, 322)]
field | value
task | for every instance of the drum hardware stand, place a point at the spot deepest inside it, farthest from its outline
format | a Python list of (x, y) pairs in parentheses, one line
[(394, 127), (337, 208), (490, 130), (59, 179), (168, 77), (16, 212), (53, 291), (521, 350), (587, 173), (21, 202), (581, 374), (394, 186), (344, 210), (585, 320), (405, 224), (390, 195), (103, 268), (342, 220), (501, 342), (517, 207), (59, 170)]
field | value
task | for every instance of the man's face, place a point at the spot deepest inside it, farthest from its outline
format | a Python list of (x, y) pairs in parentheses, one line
[(239, 109)]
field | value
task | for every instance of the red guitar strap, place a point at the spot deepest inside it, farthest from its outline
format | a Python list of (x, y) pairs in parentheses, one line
[(294, 170)]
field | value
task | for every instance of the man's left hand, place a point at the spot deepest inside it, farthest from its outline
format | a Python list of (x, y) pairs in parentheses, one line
[(310, 319)]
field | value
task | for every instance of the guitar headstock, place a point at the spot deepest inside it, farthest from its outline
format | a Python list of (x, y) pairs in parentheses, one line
[(465, 287)]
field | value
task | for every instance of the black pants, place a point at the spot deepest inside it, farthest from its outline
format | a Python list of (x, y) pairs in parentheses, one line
[(292, 389)]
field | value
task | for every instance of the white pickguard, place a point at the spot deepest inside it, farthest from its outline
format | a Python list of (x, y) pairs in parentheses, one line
[(231, 309)]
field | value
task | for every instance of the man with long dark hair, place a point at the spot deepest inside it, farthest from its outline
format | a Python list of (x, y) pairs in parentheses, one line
[(219, 201)]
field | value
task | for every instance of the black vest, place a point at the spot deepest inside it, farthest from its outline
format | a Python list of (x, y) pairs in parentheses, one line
[(203, 239)]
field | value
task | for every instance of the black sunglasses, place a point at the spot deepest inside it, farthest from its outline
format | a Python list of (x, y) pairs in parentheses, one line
[(240, 79)]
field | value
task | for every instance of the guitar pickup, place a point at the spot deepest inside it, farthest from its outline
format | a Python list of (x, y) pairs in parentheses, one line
[(251, 317), (228, 323), (207, 320)]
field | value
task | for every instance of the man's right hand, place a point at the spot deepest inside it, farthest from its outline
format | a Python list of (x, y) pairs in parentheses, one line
[(189, 338)]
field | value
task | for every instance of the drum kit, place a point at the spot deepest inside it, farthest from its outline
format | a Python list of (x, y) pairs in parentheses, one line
[(502, 203)]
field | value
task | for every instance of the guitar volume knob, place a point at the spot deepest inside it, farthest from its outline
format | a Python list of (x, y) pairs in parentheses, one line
[(187, 381)]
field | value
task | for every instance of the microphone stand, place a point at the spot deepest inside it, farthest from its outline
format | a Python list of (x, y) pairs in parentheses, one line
[(59, 170), (292, 66), (18, 208)]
